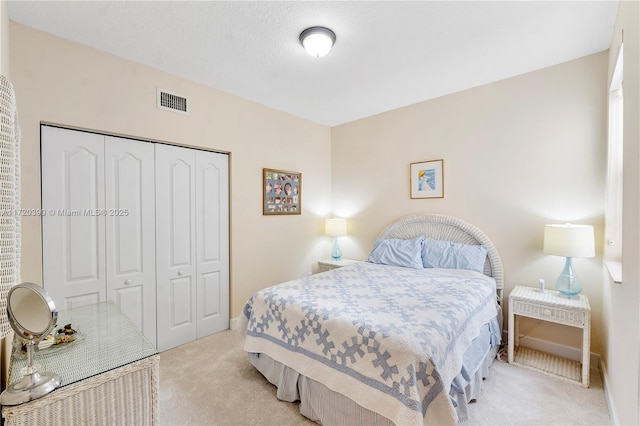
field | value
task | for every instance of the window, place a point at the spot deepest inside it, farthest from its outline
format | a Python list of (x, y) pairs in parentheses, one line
[(613, 206)]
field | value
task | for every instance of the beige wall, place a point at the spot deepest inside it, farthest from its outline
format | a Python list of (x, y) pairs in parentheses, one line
[(4, 39), (621, 322), (518, 154), (66, 83)]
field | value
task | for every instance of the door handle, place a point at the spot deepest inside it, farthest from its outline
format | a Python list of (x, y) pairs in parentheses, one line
[(127, 282), (180, 273)]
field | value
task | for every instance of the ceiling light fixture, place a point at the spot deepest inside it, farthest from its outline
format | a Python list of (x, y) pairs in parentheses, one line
[(317, 41)]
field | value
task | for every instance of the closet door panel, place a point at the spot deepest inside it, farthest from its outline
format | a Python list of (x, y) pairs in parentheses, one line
[(180, 200), (130, 230), (212, 297), (181, 301), (130, 300), (176, 246), (72, 223), (212, 234)]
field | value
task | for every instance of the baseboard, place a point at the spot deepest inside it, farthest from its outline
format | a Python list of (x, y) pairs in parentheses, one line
[(557, 349), (233, 324), (613, 414)]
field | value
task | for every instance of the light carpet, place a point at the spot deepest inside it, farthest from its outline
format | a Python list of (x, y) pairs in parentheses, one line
[(211, 382)]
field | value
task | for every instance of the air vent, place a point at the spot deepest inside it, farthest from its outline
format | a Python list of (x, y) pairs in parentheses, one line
[(172, 102)]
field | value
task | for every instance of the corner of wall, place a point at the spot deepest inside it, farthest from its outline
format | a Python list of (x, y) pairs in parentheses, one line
[(621, 368), (4, 39), (613, 415)]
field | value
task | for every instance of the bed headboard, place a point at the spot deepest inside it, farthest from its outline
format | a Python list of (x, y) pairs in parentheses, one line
[(448, 228)]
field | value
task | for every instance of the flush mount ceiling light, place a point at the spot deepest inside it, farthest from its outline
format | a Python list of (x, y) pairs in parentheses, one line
[(317, 41)]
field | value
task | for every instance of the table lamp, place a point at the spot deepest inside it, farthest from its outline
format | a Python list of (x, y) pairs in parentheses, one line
[(570, 241), (335, 228)]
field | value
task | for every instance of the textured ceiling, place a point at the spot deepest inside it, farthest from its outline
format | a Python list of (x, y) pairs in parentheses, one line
[(388, 54)]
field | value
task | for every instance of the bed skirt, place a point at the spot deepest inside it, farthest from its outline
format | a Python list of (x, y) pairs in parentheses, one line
[(322, 405)]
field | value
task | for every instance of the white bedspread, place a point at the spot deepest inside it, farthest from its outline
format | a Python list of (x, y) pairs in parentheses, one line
[(389, 338)]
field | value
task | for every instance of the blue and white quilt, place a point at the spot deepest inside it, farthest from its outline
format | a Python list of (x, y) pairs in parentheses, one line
[(390, 338)]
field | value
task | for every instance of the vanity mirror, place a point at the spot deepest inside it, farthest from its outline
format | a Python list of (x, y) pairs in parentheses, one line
[(32, 315)]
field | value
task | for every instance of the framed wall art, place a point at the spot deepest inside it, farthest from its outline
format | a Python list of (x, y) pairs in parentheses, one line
[(281, 192), (427, 179)]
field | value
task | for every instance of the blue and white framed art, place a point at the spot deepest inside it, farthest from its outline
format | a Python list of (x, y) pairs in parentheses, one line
[(427, 179)]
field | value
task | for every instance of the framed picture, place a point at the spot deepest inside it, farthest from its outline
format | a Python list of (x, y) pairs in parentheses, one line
[(427, 179), (281, 192)]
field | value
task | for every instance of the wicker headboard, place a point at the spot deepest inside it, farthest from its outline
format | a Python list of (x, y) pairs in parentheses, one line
[(448, 228)]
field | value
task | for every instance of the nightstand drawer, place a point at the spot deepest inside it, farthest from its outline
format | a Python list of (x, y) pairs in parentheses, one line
[(329, 264), (323, 267), (549, 313)]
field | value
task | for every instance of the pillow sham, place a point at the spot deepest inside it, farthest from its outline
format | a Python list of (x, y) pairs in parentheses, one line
[(447, 254), (397, 252)]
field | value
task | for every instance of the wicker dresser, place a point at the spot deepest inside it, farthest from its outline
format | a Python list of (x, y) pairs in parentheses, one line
[(551, 306), (109, 374)]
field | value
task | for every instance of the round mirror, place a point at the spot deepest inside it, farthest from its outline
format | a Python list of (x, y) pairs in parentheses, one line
[(32, 315), (31, 311)]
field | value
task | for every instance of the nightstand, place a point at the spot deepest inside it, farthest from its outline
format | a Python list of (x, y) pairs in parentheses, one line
[(551, 306), (327, 265)]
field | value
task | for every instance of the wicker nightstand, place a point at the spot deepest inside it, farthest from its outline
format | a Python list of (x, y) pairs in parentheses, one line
[(326, 265), (550, 306)]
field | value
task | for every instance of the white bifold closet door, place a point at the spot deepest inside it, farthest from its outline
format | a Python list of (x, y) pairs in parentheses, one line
[(130, 230), (99, 228), (73, 242), (141, 224), (192, 244)]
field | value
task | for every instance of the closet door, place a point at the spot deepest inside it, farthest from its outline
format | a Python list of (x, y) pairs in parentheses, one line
[(130, 230), (73, 254), (212, 236), (175, 245)]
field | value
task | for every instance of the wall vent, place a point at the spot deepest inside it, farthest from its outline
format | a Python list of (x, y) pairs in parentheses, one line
[(172, 102)]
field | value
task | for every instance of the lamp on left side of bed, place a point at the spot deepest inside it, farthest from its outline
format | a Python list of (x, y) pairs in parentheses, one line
[(335, 228)]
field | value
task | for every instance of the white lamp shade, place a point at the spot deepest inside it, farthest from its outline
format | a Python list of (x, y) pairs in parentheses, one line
[(317, 41), (569, 240), (335, 227)]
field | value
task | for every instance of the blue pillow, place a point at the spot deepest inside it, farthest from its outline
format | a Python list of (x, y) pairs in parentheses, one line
[(447, 254), (397, 252)]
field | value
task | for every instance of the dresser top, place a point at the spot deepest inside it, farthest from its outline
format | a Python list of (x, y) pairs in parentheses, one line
[(549, 298), (106, 339)]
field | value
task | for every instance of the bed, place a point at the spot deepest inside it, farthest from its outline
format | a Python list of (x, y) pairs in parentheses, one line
[(385, 341)]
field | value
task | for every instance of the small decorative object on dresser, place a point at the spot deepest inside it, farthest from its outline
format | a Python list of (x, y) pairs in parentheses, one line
[(550, 306), (327, 265)]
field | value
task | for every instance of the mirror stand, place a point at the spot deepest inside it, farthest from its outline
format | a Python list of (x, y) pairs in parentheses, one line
[(33, 384)]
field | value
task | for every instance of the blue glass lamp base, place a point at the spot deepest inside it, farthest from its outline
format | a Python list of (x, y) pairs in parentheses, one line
[(335, 250), (568, 282)]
